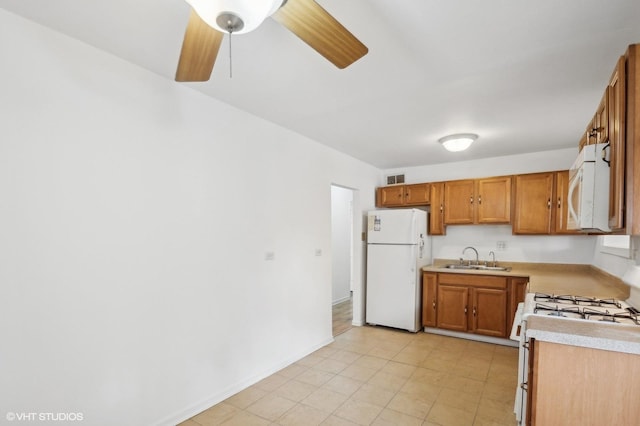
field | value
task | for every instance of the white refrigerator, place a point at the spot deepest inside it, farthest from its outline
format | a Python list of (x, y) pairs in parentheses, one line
[(397, 248)]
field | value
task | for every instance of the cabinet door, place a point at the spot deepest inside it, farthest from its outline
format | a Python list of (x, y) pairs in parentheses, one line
[(561, 204), (459, 201), (617, 126), (589, 399), (489, 312), (417, 194), (452, 306), (532, 206), (436, 213), (517, 292), (429, 305), (389, 196), (494, 200), (632, 162)]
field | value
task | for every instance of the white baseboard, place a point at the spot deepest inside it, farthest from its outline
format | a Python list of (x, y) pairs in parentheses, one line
[(344, 299), (218, 397), (471, 336)]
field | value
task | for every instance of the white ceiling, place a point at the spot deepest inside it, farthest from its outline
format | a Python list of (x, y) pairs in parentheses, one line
[(524, 75)]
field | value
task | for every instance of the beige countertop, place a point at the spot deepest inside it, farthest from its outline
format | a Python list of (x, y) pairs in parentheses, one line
[(567, 331), (582, 280)]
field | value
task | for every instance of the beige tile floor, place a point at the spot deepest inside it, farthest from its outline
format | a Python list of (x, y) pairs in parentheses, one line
[(378, 376)]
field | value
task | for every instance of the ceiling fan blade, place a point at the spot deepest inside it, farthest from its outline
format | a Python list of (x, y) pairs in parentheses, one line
[(316, 27), (199, 50)]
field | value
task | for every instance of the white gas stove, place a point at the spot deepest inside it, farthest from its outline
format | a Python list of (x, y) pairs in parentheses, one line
[(565, 308)]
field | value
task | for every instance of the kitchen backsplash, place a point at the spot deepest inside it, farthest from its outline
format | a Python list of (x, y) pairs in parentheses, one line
[(514, 248)]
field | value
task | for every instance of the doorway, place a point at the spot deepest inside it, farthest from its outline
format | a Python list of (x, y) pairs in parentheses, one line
[(342, 258)]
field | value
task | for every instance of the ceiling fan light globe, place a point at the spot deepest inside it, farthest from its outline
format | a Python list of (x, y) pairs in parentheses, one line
[(251, 12)]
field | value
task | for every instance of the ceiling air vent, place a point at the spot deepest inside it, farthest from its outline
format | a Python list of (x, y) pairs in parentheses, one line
[(392, 180)]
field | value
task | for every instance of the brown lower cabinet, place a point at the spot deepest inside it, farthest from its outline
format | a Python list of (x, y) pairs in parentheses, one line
[(429, 302), (480, 304), (576, 385)]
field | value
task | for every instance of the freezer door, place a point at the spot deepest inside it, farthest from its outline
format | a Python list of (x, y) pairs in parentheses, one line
[(402, 226), (393, 293)]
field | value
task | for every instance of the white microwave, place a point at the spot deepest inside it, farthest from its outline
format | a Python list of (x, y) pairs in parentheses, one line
[(588, 199)]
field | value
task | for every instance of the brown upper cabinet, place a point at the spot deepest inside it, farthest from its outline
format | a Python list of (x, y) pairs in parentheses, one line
[(632, 142), (561, 203), (477, 201), (622, 117), (436, 214), (540, 203), (417, 194), (390, 196), (532, 203), (403, 195), (459, 196), (617, 110)]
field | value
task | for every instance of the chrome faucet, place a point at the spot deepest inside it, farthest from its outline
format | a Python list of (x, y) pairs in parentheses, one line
[(475, 251), (493, 257)]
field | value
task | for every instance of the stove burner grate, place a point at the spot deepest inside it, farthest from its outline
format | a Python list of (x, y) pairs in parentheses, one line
[(576, 300), (606, 316), (573, 311)]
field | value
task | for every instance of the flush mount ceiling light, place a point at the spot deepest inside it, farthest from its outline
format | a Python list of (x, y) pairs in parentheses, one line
[(458, 142), (235, 16)]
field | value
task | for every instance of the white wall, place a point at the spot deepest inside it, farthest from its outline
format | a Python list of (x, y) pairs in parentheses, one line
[(341, 237), (531, 248), (135, 216), (519, 248), (614, 264)]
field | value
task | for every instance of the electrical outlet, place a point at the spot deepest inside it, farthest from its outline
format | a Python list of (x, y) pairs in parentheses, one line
[(501, 245), (318, 252), (269, 255)]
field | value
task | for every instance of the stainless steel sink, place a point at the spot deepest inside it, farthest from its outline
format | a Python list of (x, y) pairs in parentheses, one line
[(477, 267), (458, 266), (494, 268)]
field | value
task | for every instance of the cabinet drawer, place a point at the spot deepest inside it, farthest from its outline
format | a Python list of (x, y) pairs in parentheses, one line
[(485, 281)]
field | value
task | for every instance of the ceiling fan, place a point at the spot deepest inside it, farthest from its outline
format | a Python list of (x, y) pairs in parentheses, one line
[(211, 19)]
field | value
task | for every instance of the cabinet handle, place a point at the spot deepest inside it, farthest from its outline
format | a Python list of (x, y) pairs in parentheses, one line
[(434, 305), (549, 203), (524, 386), (604, 154), (559, 203), (441, 207), (465, 310), (471, 200), (474, 311), (479, 199)]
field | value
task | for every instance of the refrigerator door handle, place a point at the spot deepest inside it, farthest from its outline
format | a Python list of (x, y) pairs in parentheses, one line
[(412, 261)]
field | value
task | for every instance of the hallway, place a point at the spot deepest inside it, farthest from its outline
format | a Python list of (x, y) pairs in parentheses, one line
[(342, 316)]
